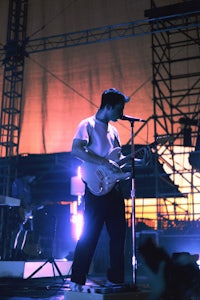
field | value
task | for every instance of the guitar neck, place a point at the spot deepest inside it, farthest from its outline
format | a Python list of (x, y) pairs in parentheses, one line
[(128, 157)]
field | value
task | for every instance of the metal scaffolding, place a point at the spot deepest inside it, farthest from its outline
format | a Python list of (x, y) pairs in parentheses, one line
[(176, 101), (12, 92)]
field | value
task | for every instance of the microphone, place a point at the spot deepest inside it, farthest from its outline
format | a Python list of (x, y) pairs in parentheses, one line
[(131, 119)]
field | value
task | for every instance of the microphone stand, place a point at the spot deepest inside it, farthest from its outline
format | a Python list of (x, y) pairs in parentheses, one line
[(134, 261)]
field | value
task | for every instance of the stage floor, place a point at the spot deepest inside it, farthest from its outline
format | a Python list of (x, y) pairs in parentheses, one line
[(55, 288)]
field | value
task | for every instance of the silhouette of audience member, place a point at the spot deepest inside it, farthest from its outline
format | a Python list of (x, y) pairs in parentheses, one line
[(176, 277)]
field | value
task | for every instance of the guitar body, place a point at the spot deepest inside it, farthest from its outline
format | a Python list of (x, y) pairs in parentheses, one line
[(100, 179)]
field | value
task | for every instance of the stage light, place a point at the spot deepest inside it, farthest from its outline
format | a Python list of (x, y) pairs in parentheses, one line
[(77, 185), (79, 225), (198, 263), (77, 189)]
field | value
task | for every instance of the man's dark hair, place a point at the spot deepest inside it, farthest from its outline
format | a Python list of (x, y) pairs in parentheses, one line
[(113, 97)]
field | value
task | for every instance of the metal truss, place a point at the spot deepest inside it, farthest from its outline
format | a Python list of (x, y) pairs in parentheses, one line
[(113, 32), (176, 98), (12, 98)]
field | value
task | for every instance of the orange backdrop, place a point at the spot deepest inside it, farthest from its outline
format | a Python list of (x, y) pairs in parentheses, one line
[(61, 87)]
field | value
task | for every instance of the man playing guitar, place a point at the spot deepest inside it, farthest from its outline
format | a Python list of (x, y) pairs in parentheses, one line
[(94, 140)]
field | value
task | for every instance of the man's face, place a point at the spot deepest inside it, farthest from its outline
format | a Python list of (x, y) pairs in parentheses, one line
[(116, 112)]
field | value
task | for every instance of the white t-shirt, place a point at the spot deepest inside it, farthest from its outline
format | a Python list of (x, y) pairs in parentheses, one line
[(101, 138)]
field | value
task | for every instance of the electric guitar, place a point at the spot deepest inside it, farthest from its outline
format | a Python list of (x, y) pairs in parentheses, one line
[(100, 179)]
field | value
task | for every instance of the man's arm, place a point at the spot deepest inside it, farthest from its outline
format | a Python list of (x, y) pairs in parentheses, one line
[(80, 150)]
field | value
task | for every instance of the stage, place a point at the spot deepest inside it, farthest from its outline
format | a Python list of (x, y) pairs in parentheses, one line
[(55, 288)]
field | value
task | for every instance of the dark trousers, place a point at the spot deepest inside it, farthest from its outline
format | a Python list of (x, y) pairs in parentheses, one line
[(108, 209)]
